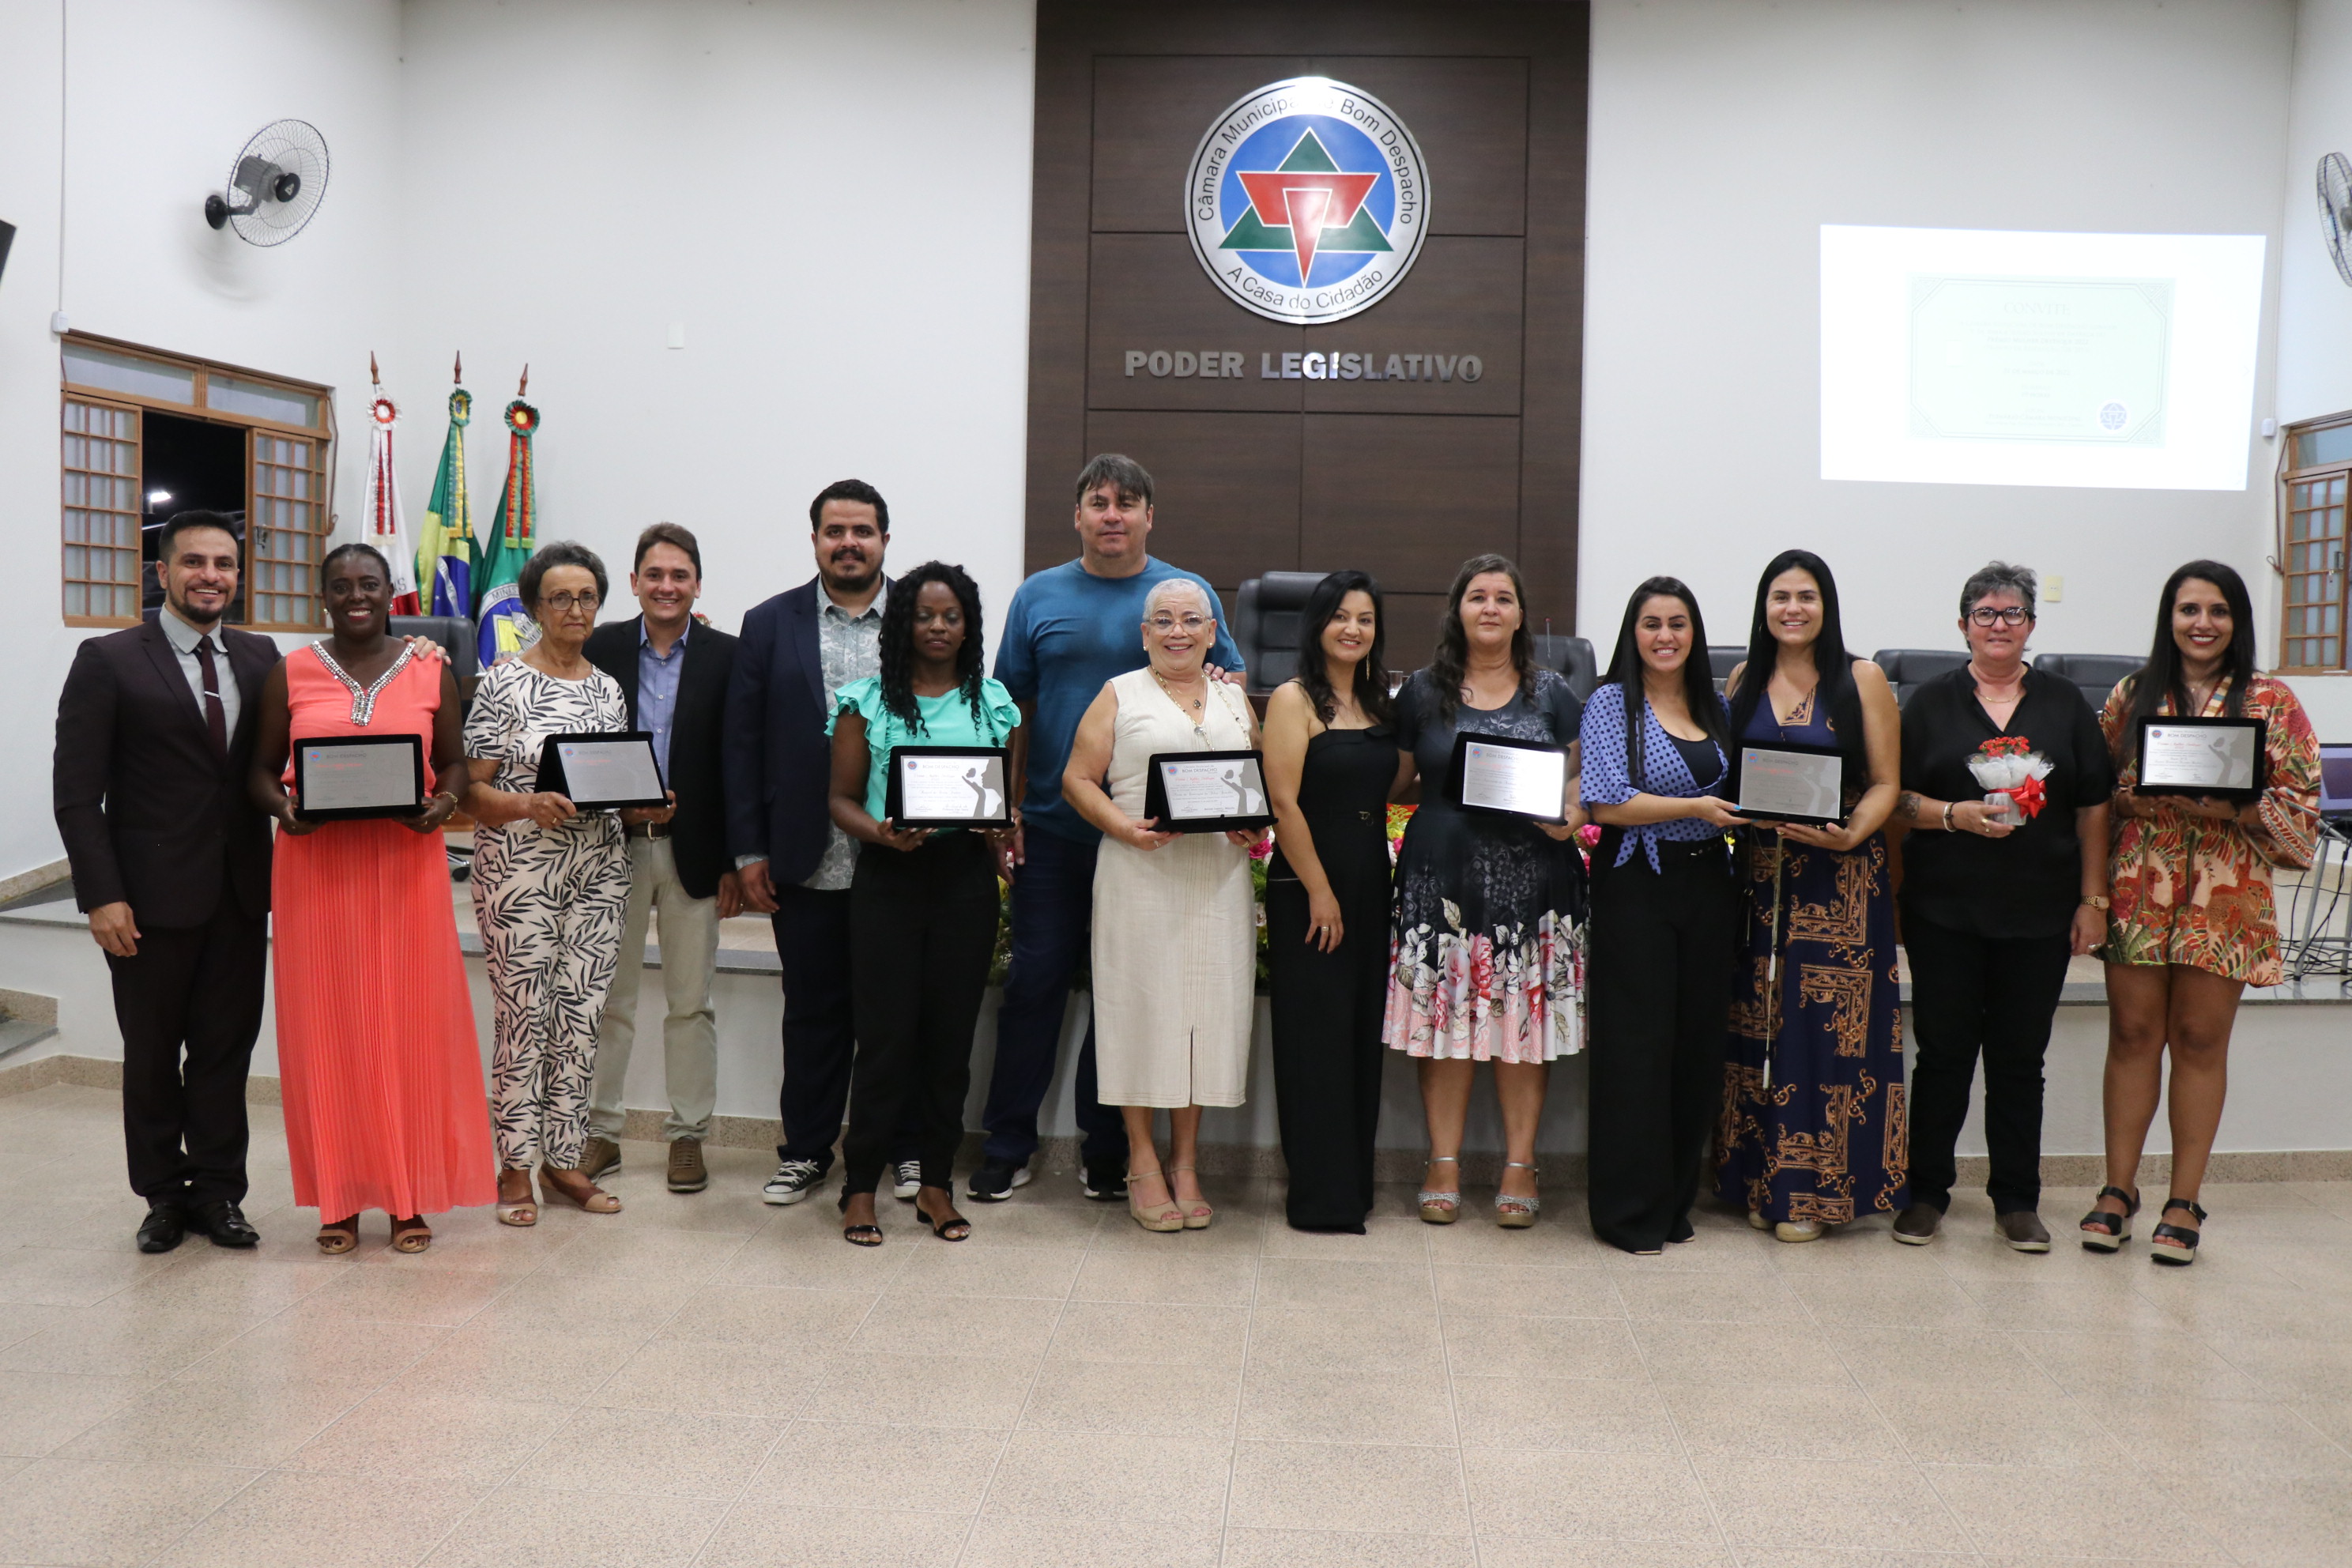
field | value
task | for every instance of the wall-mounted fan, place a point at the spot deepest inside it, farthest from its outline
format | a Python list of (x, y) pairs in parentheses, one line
[(2336, 211), (277, 182)]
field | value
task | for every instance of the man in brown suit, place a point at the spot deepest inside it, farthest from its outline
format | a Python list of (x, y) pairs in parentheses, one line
[(171, 861)]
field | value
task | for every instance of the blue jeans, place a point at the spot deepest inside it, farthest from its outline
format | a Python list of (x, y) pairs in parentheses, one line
[(1053, 920)]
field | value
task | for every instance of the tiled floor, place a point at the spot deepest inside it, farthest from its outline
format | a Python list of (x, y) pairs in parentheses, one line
[(709, 1380)]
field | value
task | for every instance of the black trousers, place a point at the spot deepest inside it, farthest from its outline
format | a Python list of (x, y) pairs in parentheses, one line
[(813, 944), (1662, 948), (1053, 922), (189, 1005), (1971, 993), (1328, 1056), (923, 927)]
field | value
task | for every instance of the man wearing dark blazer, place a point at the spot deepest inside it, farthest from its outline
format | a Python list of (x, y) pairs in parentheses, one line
[(799, 648), (675, 672), (171, 861)]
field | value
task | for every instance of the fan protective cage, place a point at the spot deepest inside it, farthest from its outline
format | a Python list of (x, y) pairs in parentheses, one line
[(294, 147), (2336, 211)]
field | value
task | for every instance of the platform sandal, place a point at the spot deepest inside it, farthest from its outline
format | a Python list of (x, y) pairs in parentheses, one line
[(2159, 1249), (1198, 1214), (1442, 1208), (338, 1238), (1515, 1213), (2105, 1232)]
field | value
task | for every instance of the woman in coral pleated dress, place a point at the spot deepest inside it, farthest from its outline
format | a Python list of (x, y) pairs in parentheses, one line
[(381, 1068)]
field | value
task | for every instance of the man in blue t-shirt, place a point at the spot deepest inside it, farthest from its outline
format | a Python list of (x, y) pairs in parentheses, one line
[(1071, 628)]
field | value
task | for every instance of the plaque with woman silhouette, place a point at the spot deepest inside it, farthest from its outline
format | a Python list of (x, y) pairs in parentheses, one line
[(948, 786)]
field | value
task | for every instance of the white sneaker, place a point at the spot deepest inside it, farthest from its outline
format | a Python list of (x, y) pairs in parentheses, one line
[(908, 1181), (794, 1181)]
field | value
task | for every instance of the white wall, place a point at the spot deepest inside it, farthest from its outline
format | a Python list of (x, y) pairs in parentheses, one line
[(832, 195), (158, 99), (2315, 360), (1723, 133)]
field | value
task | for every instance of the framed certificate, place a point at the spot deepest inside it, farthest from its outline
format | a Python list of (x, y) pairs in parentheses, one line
[(1789, 781), (346, 776), (1206, 792), (948, 786), (603, 771), (2223, 758), (1510, 777)]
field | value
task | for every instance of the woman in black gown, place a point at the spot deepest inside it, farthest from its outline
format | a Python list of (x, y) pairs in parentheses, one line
[(1330, 767)]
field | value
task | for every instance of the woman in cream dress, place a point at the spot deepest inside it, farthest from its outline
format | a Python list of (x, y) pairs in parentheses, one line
[(1175, 929)]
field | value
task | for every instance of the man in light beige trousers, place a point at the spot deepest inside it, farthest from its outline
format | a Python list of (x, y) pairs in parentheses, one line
[(674, 670)]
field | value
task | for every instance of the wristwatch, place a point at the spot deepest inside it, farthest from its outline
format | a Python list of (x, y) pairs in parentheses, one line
[(2096, 901)]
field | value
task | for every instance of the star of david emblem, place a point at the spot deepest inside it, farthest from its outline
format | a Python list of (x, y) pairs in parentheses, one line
[(1306, 204)]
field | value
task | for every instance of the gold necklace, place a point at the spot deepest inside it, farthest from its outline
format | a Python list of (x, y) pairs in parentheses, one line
[(1194, 704)]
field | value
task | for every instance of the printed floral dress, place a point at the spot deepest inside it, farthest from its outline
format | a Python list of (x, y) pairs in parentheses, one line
[(2196, 891), (1487, 943)]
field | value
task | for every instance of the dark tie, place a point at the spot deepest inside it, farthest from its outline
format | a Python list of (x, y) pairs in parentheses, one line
[(216, 716)]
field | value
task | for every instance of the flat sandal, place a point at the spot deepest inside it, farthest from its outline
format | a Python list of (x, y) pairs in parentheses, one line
[(523, 1211)]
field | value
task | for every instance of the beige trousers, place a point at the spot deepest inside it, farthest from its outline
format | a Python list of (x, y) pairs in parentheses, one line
[(689, 950)]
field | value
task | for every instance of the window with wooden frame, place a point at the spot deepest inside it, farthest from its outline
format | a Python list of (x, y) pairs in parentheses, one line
[(147, 435), (2312, 509)]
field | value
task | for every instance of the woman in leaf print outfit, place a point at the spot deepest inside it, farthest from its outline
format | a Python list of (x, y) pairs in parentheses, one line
[(1489, 926), (2194, 922)]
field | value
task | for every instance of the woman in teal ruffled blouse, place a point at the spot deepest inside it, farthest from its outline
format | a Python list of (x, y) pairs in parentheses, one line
[(923, 903)]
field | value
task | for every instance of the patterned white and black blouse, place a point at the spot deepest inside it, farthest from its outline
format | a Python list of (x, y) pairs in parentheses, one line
[(516, 707)]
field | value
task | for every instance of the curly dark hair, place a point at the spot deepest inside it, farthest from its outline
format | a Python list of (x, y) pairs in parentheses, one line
[(1452, 656), (355, 547), (899, 641)]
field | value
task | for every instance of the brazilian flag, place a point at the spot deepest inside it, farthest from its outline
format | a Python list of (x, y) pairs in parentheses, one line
[(445, 546), (504, 621)]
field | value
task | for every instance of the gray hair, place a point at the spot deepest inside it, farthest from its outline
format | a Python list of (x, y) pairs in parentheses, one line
[(1166, 585), (1992, 578)]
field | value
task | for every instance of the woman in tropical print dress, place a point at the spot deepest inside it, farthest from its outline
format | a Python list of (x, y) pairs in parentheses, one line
[(2194, 921), (1488, 961), (1814, 1132)]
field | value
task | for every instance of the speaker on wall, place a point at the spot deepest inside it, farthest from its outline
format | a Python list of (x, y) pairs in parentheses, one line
[(7, 233)]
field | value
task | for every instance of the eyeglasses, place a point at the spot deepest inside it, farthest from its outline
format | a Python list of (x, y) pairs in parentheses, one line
[(2005, 615), (1163, 625), (564, 603)]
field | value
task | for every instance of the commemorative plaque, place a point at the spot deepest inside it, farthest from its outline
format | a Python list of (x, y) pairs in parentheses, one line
[(344, 777), (1510, 777), (948, 786), (1206, 792), (2217, 757), (603, 771), (1788, 781)]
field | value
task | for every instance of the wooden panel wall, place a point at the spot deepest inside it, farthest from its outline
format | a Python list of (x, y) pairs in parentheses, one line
[(1403, 479)]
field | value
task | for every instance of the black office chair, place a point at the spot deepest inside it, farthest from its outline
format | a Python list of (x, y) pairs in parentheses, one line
[(2097, 673), (456, 636), (1908, 667), (1573, 658), (1722, 659), (1265, 624)]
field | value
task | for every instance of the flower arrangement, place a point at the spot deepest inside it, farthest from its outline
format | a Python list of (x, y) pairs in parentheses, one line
[(2007, 766)]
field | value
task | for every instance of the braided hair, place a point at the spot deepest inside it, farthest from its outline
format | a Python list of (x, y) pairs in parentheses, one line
[(898, 677)]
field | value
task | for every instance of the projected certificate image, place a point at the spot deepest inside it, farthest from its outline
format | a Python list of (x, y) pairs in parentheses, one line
[(2220, 757), (1790, 785), (2040, 359), (1522, 780)]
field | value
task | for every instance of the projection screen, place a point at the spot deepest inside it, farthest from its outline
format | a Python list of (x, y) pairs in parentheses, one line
[(1998, 357)]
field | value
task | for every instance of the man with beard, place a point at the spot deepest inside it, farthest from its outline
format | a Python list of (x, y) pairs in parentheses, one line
[(171, 859), (798, 650)]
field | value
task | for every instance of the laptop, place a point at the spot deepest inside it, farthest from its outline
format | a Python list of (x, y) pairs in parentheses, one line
[(2336, 781)]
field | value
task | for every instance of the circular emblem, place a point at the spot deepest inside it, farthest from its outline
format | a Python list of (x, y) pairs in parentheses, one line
[(1307, 201), (2111, 416)]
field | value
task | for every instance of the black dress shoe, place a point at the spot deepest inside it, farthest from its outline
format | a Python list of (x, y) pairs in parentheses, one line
[(225, 1224), (165, 1226)]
